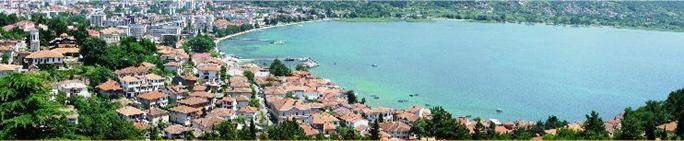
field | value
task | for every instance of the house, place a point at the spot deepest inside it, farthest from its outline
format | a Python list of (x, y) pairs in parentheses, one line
[(375, 113), (396, 129), (177, 92), (195, 102), (308, 130), (241, 91), (137, 80), (45, 57), (224, 113), (183, 114), (153, 99), (156, 115), (208, 72), (176, 131), (242, 101), (111, 35), (6, 69), (174, 67), (131, 113), (72, 88), (286, 108), (321, 120), (302, 92), (207, 123), (350, 118), (10, 48), (248, 111), (227, 102), (109, 87)]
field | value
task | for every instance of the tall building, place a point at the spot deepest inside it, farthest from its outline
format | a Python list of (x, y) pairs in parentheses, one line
[(97, 20), (34, 39)]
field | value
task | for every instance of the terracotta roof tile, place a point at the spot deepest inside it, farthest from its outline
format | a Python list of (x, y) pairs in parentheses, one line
[(129, 111), (152, 95), (45, 54)]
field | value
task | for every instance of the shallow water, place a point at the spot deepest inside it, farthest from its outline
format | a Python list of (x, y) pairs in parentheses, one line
[(529, 71)]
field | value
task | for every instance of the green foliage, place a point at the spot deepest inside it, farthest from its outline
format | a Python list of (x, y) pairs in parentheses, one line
[(302, 67), (441, 126), (564, 134), (553, 122), (5, 58), (631, 126), (97, 74), (675, 104), (201, 43), (374, 130), (232, 29), (351, 97), (14, 34), (254, 103), (8, 19), (27, 112), (96, 52), (249, 75), (277, 68), (593, 127), (98, 120), (287, 130)]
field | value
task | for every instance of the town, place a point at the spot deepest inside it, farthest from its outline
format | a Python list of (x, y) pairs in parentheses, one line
[(158, 65)]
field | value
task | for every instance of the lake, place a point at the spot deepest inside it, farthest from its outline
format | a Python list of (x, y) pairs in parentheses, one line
[(528, 71)]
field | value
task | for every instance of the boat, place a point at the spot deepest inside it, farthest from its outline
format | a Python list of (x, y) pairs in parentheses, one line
[(278, 42), (498, 110), (374, 65), (289, 59)]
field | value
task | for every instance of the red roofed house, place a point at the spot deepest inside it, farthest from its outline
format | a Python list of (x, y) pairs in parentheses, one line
[(152, 99)]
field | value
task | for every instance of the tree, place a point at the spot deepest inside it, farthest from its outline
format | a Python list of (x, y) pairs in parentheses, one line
[(97, 74), (226, 131), (91, 48), (95, 110), (5, 58), (351, 97), (287, 130), (632, 128), (593, 127), (675, 104), (479, 128), (302, 67), (375, 130), (277, 68), (249, 75), (202, 43), (553, 122), (27, 112), (252, 131)]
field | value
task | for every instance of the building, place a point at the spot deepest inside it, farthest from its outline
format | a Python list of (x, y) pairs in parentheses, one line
[(45, 57), (6, 69), (152, 99), (137, 30), (176, 131), (72, 88), (195, 102), (137, 80), (156, 115), (207, 123), (34, 39), (111, 35), (183, 114), (131, 113), (109, 87), (9, 49), (396, 129), (97, 20)]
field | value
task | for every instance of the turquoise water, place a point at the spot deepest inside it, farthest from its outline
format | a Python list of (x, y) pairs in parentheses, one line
[(529, 71)]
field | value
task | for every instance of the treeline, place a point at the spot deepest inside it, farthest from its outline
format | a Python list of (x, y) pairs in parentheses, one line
[(660, 15), (232, 29)]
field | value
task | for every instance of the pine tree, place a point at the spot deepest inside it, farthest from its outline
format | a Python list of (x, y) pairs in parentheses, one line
[(375, 131), (593, 127)]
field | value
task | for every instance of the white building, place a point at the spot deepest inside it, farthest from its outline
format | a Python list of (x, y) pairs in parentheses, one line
[(97, 20), (183, 114), (45, 57), (72, 88)]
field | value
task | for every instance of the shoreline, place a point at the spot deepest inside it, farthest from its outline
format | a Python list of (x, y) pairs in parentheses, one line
[(218, 40)]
